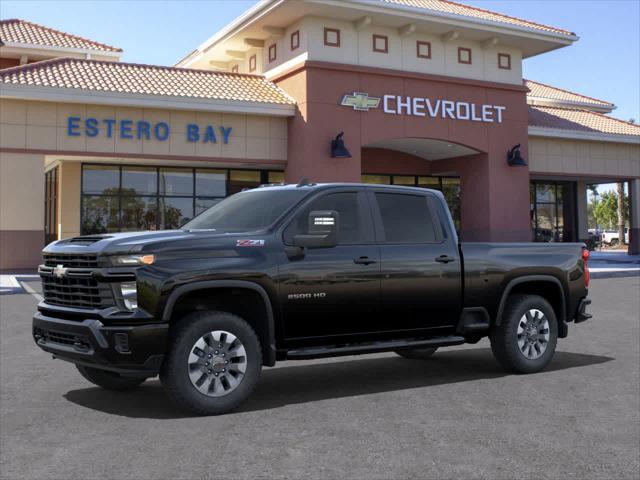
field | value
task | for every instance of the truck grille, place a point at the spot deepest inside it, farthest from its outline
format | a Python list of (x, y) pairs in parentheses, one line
[(76, 288), (70, 260), (76, 292)]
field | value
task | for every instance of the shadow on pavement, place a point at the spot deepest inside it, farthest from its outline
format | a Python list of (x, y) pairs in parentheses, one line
[(313, 382)]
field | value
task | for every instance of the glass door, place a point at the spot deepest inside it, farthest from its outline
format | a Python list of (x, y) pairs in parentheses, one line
[(553, 211)]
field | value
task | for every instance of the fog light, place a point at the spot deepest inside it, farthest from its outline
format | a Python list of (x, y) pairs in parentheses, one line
[(129, 291)]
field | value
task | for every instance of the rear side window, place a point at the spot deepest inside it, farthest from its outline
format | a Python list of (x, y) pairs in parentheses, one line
[(406, 218), (352, 228)]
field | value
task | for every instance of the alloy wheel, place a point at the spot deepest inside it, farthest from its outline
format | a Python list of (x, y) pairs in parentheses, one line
[(217, 363), (533, 334)]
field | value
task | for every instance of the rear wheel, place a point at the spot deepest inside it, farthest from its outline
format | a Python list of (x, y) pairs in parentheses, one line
[(109, 380), (417, 353), (213, 363), (526, 339)]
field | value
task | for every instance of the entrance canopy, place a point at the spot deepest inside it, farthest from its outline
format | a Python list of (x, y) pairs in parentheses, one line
[(427, 148)]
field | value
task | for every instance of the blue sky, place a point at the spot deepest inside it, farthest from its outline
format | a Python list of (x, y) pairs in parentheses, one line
[(604, 63)]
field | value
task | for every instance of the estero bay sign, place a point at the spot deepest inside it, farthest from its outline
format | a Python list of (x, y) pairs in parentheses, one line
[(144, 130), (426, 107)]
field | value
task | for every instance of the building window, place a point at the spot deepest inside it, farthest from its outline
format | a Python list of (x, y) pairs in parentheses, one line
[(234, 69), (273, 52), (51, 206), (504, 61), (464, 55), (449, 186), (331, 37), (553, 211), (423, 49), (295, 40), (380, 43), (129, 198), (252, 63)]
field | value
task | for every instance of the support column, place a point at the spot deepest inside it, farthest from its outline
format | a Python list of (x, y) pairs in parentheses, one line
[(69, 199), (582, 222), (634, 220)]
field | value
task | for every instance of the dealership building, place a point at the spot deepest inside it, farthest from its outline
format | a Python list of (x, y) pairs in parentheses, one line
[(428, 93)]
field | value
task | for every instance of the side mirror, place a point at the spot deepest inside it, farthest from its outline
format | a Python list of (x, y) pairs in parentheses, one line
[(322, 230)]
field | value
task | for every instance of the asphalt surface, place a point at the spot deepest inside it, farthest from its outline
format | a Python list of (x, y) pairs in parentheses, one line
[(456, 415)]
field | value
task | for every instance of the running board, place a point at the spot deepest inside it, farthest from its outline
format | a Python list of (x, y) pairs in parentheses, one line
[(362, 348)]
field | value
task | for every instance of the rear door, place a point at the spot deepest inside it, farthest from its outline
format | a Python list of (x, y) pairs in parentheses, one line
[(332, 292), (420, 267)]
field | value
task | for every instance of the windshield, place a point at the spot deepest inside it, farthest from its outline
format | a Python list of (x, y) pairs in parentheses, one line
[(247, 211)]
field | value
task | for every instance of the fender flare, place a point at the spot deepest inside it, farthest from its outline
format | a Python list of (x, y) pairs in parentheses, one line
[(533, 278), (270, 350)]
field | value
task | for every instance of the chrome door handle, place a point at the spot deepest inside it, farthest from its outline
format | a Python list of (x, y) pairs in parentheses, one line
[(445, 259)]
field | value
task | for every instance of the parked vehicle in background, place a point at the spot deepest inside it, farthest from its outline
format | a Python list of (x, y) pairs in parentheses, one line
[(612, 237), (299, 272)]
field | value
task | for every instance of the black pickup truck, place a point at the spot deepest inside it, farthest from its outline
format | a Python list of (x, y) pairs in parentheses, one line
[(298, 272)]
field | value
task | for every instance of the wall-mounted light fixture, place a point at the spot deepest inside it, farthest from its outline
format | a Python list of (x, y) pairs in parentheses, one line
[(338, 149), (514, 159)]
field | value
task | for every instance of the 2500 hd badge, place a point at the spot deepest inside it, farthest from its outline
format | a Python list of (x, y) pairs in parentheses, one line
[(205, 313)]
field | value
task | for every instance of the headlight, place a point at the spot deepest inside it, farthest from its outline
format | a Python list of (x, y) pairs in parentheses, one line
[(129, 291), (135, 260)]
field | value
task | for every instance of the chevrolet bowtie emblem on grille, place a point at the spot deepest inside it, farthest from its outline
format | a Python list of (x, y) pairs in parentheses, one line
[(360, 101), (59, 271)]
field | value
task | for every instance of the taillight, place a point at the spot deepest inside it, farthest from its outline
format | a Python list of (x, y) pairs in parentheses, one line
[(585, 257)]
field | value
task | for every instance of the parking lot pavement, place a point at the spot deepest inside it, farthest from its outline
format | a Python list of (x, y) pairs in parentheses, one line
[(456, 415)]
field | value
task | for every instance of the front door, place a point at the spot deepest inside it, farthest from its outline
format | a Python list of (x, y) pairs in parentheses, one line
[(420, 265), (330, 293)]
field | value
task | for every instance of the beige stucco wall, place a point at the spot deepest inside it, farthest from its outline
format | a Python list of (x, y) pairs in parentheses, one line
[(43, 126), (21, 191), (579, 157), (69, 199)]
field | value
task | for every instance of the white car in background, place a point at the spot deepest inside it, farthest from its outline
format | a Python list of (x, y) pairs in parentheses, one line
[(611, 237)]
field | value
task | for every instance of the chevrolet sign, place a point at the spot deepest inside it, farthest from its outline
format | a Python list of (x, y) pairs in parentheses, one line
[(360, 101)]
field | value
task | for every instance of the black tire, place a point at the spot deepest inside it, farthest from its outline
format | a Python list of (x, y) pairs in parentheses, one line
[(504, 338), (417, 353), (174, 373), (109, 380)]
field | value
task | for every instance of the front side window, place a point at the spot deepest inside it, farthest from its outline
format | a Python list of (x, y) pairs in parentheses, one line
[(405, 218), (352, 228)]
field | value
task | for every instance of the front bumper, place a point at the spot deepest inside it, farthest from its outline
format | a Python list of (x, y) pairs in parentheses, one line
[(581, 312), (128, 350)]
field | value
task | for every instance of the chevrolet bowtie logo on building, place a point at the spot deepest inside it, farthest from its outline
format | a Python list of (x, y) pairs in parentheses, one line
[(360, 101)]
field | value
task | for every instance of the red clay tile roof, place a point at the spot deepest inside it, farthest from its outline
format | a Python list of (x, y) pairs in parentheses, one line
[(579, 120), (542, 90), (21, 31), (444, 6), (118, 77)]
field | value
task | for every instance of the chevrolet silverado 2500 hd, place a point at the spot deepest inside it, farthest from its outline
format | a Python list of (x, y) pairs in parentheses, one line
[(299, 272)]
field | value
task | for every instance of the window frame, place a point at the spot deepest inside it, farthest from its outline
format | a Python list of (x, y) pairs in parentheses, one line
[(507, 56), (363, 207), (326, 39), (253, 63), (429, 200), (423, 43), (273, 52), (460, 60), (374, 38), (295, 44)]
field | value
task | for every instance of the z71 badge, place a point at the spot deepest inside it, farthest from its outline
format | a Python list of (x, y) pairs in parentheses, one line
[(249, 243)]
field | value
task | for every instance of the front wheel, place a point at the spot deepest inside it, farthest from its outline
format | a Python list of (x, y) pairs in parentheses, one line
[(526, 339), (213, 363), (109, 380)]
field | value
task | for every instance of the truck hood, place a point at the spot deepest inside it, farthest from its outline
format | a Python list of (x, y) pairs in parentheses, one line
[(146, 242)]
